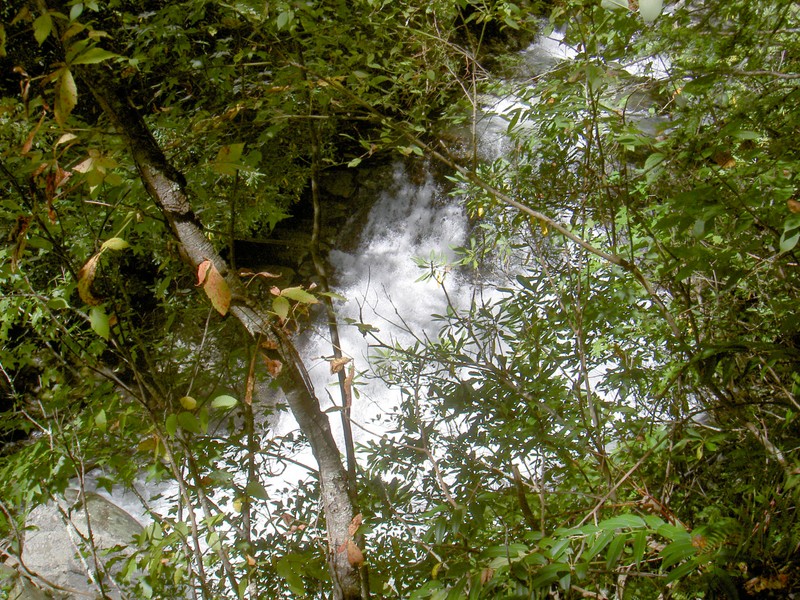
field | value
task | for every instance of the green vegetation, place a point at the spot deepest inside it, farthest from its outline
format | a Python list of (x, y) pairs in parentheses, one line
[(614, 415)]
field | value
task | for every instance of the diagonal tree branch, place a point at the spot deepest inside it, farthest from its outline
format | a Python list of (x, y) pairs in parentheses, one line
[(165, 185)]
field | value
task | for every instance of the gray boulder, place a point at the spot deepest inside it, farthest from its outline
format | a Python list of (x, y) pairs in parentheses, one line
[(52, 547)]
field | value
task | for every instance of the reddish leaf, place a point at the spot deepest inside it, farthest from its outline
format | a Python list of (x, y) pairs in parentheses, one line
[(202, 271), (215, 286)]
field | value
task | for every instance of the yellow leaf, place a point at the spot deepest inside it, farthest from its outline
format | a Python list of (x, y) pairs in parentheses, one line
[(188, 402), (115, 243)]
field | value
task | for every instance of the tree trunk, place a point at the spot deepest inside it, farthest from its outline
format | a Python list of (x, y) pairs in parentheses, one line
[(166, 187)]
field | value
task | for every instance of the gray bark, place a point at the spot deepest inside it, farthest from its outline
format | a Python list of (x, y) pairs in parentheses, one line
[(166, 186)]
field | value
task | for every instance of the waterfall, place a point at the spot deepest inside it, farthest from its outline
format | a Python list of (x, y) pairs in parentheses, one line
[(381, 287)]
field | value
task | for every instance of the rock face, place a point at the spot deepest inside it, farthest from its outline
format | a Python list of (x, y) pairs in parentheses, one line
[(346, 196), (52, 547)]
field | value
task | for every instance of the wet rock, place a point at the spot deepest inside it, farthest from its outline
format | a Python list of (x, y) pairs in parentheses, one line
[(340, 183), (52, 546)]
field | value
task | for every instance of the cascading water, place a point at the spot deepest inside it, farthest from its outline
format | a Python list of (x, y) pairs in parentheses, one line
[(381, 285)]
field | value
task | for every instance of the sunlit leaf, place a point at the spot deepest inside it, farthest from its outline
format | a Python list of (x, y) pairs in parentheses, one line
[(224, 402), (280, 306), (650, 9), (100, 420), (789, 241), (284, 19), (115, 243), (228, 159), (76, 11), (188, 402), (298, 294), (171, 424)]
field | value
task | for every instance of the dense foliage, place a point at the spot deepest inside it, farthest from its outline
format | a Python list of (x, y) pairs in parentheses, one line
[(615, 413)]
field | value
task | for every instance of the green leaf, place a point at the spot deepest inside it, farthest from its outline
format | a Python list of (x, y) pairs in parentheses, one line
[(548, 575), (100, 420), (57, 303), (100, 323), (615, 549), (601, 542), (93, 56), (280, 306), (673, 532), (229, 160), (290, 568), (355, 162), (653, 161), (511, 551), (66, 96), (650, 9), (298, 294), (789, 242), (171, 424), (622, 521), (42, 27), (255, 489), (681, 571), (76, 11), (224, 401), (285, 19), (115, 243), (677, 551), (189, 422), (639, 545)]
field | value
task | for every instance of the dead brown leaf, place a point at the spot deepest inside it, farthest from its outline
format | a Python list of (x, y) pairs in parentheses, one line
[(337, 364), (354, 554), (85, 279)]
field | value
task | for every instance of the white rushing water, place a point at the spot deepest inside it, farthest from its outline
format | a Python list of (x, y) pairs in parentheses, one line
[(381, 286)]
